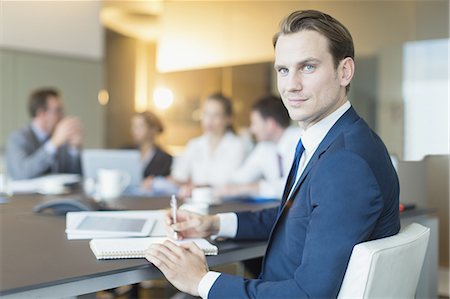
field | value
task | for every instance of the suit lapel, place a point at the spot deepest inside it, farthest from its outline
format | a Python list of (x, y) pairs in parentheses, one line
[(33, 138), (289, 182), (349, 117)]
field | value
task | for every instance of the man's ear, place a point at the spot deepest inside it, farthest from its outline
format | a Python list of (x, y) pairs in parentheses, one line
[(270, 122), (347, 70)]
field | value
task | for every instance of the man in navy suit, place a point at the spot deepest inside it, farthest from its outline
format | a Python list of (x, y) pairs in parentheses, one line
[(342, 189)]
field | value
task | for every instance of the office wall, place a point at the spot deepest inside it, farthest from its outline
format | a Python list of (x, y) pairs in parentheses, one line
[(389, 116), (425, 95), (51, 43), (78, 79), (70, 28), (120, 58), (428, 20), (437, 180), (240, 32)]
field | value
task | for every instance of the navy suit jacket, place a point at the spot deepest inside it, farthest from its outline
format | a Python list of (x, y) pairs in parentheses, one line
[(347, 194)]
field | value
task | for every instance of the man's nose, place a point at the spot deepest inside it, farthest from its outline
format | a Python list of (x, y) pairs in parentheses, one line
[(294, 82)]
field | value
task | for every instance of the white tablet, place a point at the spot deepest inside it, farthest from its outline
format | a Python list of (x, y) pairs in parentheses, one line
[(110, 225)]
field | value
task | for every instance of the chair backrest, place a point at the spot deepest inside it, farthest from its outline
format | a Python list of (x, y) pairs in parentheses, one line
[(388, 267)]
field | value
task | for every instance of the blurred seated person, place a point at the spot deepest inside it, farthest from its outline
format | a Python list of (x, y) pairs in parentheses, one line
[(51, 143), (265, 171), (213, 158), (145, 127)]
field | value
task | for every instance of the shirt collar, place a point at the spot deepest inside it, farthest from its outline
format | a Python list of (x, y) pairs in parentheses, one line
[(285, 142), (313, 136), (40, 135)]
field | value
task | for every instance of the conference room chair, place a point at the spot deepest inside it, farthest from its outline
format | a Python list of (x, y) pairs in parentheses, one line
[(388, 267)]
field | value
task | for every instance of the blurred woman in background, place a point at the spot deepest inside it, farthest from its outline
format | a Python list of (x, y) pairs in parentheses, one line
[(145, 127), (212, 158)]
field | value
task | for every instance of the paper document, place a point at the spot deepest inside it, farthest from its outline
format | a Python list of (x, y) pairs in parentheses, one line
[(36, 184)]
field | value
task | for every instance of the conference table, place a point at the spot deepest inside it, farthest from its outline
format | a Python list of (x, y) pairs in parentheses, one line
[(37, 259)]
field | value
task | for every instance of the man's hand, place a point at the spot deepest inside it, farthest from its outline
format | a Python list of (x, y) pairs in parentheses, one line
[(184, 266), (192, 225), (68, 127), (77, 136)]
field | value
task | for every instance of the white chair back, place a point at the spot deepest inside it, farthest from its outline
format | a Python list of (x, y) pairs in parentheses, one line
[(388, 267)]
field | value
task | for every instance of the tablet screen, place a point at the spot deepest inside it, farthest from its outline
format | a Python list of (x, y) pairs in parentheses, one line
[(112, 224)]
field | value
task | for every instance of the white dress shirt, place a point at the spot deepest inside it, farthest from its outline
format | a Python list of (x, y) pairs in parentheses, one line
[(311, 138), (203, 166), (263, 165)]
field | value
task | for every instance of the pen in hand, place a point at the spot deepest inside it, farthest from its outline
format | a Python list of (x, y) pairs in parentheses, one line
[(173, 210)]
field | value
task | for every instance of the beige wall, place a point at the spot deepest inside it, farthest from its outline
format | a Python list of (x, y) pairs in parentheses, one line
[(70, 28), (437, 174), (240, 32), (120, 60), (57, 44)]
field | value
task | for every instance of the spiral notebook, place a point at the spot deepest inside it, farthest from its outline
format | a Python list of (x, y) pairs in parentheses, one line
[(128, 248)]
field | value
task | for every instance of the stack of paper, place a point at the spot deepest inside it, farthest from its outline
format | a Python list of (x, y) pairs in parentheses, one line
[(114, 224), (36, 184)]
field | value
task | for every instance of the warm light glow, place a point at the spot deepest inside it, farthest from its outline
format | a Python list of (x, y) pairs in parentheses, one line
[(186, 43), (141, 78), (103, 97), (162, 98)]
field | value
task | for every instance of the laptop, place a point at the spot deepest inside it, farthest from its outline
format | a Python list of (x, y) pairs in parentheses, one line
[(128, 161)]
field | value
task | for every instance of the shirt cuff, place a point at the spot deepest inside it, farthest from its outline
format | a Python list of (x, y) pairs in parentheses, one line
[(206, 283), (228, 225), (50, 147)]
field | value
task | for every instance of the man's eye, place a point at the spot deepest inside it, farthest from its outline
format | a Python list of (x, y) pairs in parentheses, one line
[(283, 71), (308, 68)]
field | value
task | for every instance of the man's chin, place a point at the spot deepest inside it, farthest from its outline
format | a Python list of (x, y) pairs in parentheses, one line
[(296, 116)]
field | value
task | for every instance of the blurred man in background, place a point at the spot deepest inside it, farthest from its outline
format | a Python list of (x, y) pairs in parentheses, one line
[(51, 143), (265, 171)]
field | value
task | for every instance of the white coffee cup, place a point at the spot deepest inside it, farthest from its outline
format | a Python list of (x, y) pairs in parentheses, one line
[(111, 183), (203, 195), (50, 186)]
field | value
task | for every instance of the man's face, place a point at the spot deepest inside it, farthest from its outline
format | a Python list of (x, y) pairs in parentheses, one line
[(309, 84), (259, 126), (53, 114)]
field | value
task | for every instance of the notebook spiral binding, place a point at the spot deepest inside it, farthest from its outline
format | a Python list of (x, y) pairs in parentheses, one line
[(135, 247), (122, 254)]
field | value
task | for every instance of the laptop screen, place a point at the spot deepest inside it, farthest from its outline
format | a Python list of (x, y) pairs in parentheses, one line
[(128, 161)]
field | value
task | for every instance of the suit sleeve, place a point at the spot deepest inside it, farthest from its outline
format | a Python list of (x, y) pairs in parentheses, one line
[(256, 225), (346, 202), (24, 163)]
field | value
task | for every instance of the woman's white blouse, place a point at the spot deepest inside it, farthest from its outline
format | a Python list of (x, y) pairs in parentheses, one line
[(202, 166)]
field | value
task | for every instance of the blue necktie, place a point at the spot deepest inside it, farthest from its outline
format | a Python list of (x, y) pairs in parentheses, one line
[(293, 173)]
